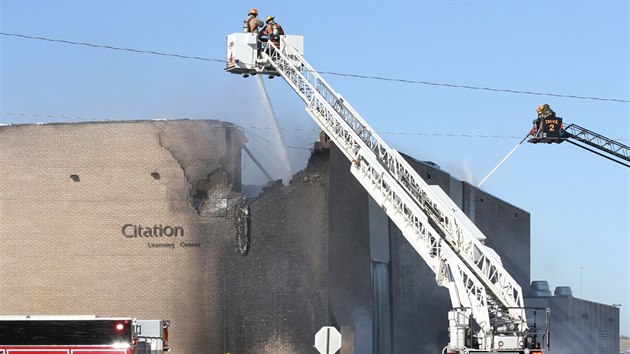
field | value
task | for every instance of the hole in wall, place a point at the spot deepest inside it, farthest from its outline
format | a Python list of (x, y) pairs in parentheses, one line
[(75, 178), (155, 175), (199, 198)]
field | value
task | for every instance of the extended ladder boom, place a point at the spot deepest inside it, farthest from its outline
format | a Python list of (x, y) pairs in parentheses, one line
[(478, 284), (598, 141)]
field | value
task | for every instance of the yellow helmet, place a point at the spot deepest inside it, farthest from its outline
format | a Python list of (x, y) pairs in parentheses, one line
[(269, 18), (253, 12)]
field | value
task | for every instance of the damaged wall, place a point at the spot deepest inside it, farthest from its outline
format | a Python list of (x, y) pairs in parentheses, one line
[(322, 253), (87, 210), (276, 296)]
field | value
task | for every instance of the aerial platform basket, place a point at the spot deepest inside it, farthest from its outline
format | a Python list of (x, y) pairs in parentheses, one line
[(243, 55)]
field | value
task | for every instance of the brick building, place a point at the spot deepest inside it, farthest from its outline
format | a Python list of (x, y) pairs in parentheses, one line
[(146, 219)]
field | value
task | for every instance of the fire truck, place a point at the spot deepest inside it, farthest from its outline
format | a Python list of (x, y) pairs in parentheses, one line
[(82, 335), (488, 314)]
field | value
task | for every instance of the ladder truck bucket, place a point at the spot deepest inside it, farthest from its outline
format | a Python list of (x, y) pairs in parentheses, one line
[(244, 53), (547, 130)]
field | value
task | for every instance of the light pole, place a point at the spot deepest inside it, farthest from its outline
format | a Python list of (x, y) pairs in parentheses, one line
[(581, 288)]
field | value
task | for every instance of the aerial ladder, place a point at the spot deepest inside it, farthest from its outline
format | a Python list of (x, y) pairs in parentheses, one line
[(488, 314), (548, 128)]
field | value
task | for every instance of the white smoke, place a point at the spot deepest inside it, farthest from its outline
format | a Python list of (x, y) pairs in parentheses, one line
[(461, 170)]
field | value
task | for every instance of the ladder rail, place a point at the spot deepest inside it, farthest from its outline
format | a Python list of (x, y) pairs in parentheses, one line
[(598, 141), (404, 191)]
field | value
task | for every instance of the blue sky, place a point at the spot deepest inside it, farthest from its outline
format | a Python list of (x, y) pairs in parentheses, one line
[(577, 200)]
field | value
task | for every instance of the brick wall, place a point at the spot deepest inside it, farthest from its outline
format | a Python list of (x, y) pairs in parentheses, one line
[(66, 191)]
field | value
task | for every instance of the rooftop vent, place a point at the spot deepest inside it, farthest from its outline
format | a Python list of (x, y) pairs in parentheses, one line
[(563, 291), (539, 288)]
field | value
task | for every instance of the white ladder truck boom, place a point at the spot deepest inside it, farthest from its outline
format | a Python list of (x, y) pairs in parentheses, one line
[(488, 312)]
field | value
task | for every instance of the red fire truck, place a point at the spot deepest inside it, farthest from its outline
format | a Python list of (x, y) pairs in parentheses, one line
[(76, 335)]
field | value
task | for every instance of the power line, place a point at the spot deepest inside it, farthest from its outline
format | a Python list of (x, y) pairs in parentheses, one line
[(111, 47), (475, 87), (247, 129), (368, 77)]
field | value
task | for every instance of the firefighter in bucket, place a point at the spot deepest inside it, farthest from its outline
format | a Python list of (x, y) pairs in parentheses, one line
[(272, 32)]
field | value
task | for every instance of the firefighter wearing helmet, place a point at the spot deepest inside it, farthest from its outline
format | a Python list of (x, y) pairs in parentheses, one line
[(251, 22), (273, 30), (544, 112)]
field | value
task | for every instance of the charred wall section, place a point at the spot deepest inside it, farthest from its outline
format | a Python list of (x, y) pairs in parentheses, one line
[(308, 265), (276, 296), (349, 254)]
